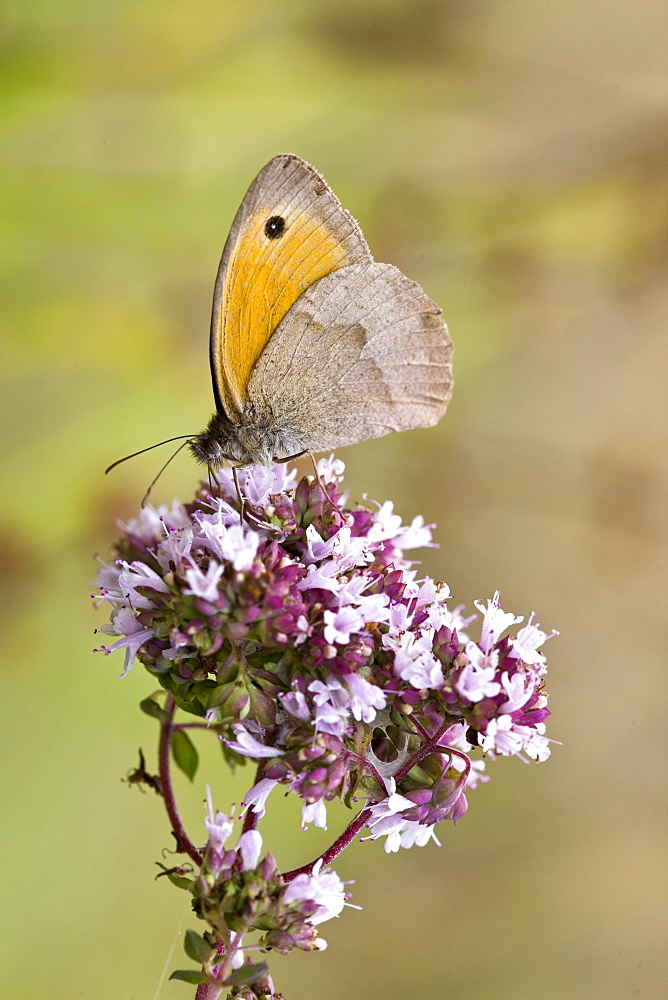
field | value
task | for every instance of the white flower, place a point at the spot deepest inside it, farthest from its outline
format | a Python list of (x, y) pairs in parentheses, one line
[(339, 625), (501, 737), (386, 821), (260, 483), (204, 585), (414, 659), (332, 703), (239, 546), (352, 589), (374, 607), (174, 548), (430, 592), (438, 616), (476, 680), (250, 846), (228, 540), (527, 642), (323, 577), (517, 690), (212, 528), (324, 887), (238, 955), (495, 621), (138, 574), (304, 630), (218, 825), (248, 746), (400, 618), (414, 535), (537, 745), (316, 813), (366, 698), (294, 702), (386, 524), (342, 547), (124, 621), (257, 796)]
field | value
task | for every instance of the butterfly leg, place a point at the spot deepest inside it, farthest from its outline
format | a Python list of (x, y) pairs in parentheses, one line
[(320, 479), (291, 458), (240, 496)]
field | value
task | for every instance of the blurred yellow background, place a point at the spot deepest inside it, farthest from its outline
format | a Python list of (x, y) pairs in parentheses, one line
[(510, 157)]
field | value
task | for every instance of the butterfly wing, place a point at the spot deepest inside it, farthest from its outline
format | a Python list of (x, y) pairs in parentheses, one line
[(290, 231), (361, 353)]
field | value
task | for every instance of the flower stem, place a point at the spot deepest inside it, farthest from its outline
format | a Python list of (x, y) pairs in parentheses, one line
[(336, 848), (166, 730)]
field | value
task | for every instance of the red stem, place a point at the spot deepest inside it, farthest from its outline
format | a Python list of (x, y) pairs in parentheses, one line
[(332, 852), (166, 730)]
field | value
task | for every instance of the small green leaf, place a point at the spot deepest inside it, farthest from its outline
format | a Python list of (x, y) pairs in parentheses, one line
[(151, 707), (193, 976), (197, 948), (247, 974), (191, 705), (184, 753), (180, 881)]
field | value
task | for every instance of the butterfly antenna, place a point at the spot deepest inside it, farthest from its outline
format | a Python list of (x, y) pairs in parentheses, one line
[(179, 437), (156, 478)]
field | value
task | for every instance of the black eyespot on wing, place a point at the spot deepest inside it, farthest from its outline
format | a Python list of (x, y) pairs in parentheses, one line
[(274, 227)]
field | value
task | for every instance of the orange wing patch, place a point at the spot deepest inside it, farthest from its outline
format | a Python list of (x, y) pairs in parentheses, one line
[(265, 278)]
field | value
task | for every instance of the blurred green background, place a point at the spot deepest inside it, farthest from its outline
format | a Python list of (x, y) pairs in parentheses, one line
[(510, 157)]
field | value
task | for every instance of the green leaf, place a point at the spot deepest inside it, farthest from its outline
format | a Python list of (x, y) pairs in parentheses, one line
[(197, 948), (184, 753), (180, 881), (192, 705), (151, 707), (193, 976), (247, 974)]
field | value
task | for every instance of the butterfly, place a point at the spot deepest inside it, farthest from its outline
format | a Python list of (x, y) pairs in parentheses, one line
[(314, 345)]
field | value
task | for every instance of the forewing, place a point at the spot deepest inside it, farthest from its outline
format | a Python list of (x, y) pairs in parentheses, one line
[(363, 352), (262, 275)]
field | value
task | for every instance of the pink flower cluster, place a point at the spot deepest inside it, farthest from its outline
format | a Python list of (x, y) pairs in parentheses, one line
[(304, 636), (237, 889)]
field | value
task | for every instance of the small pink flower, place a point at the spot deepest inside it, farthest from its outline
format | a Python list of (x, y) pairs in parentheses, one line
[(258, 795), (340, 625), (495, 621), (248, 746)]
